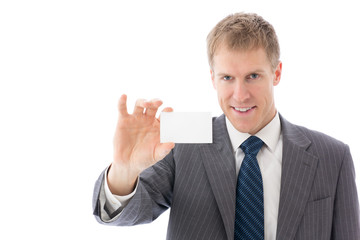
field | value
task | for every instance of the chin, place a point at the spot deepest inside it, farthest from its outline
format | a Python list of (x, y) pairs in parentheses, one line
[(243, 129)]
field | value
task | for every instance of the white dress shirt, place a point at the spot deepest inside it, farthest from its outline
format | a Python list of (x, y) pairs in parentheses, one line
[(269, 159), (115, 201)]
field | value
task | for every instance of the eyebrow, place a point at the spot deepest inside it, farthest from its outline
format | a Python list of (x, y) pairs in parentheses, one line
[(250, 72)]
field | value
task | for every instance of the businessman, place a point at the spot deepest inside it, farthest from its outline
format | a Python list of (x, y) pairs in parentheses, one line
[(261, 178)]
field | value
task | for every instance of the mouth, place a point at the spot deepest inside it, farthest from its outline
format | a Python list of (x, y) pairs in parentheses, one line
[(243, 110)]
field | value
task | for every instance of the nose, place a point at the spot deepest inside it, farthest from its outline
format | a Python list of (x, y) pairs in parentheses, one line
[(241, 92)]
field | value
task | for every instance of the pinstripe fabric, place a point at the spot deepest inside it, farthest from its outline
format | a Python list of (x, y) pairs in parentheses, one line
[(318, 198), (315, 202)]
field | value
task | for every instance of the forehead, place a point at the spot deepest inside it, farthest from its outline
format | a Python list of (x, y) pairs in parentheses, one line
[(244, 60)]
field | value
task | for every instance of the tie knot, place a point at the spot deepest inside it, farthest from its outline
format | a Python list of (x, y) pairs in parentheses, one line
[(252, 145)]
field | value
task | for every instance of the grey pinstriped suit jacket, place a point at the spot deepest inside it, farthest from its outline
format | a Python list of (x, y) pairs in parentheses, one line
[(318, 196)]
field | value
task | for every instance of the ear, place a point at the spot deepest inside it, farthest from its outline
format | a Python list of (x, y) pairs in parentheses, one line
[(277, 74), (213, 78)]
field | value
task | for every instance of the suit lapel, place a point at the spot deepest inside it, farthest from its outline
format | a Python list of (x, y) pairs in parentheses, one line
[(219, 162), (298, 172)]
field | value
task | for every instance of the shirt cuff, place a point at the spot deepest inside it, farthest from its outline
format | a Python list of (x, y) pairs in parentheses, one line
[(117, 201)]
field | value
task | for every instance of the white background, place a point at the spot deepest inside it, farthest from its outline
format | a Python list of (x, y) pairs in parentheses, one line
[(64, 64)]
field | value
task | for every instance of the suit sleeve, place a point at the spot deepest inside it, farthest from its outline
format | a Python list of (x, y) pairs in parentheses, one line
[(346, 223), (152, 197)]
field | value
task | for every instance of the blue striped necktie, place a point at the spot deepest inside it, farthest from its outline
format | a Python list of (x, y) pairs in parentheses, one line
[(249, 211)]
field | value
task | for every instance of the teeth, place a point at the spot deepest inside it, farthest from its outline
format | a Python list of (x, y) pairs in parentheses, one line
[(243, 109)]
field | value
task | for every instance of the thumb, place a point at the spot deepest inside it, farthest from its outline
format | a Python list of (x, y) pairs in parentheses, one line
[(168, 109), (163, 149)]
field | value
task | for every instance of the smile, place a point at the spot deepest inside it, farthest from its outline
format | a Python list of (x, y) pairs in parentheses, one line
[(243, 109)]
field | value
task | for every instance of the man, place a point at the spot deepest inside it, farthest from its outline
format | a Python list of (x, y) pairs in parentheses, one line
[(304, 184)]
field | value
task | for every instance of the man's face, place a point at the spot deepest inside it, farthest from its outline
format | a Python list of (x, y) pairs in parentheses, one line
[(244, 81)]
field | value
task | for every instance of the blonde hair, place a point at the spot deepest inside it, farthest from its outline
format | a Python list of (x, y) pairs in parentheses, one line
[(244, 31)]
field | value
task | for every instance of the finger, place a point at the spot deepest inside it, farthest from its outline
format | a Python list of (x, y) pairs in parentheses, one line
[(152, 107), (139, 106), (168, 109), (122, 105)]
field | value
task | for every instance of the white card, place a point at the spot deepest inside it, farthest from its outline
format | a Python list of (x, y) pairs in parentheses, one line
[(186, 127)]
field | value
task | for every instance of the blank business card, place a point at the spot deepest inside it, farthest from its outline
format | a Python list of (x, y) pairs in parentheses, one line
[(186, 127)]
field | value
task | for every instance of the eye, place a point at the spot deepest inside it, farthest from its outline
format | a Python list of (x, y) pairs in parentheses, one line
[(227, 78), (254, 76)]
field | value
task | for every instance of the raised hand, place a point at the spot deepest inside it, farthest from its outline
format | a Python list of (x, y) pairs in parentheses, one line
[(136, 144)]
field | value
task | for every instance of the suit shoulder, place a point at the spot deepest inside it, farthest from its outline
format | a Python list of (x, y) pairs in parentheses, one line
[(329, 150), (320, 137), (296, 132), (317, 143)]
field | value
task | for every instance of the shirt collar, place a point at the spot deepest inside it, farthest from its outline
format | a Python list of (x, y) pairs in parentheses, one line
[(269, 134)]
